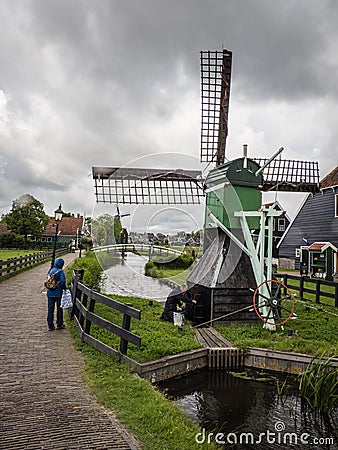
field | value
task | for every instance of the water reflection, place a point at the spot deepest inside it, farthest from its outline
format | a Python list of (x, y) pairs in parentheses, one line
[(125, 276), (216, 400)]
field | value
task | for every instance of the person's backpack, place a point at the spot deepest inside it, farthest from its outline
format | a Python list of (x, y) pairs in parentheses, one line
[(50, 281)]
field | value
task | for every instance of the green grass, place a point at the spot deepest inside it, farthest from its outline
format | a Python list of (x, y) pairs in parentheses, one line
[(158, 338), (315, 330), (8, 254)]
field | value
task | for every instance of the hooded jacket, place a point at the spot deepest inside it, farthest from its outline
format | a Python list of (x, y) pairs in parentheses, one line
[(59, 276)]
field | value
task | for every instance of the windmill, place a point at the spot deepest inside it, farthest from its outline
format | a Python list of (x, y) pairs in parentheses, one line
[(232, 272)]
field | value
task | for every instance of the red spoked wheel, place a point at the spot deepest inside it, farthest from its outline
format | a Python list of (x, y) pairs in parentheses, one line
[(275, 305)]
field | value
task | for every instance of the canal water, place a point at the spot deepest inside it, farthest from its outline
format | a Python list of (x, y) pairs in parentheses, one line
[(249, 413), (125, 276)]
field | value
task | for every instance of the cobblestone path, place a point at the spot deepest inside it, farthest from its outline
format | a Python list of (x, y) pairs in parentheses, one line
[(44, 402)]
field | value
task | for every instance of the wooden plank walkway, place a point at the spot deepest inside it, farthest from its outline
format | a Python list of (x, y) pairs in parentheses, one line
[(208, 337), (44, 401)]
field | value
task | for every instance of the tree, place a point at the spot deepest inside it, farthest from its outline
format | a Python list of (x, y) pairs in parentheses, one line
[(106, 229), (27, 217)]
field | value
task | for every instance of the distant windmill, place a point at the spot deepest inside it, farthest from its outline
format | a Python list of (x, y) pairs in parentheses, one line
[(232, 266)]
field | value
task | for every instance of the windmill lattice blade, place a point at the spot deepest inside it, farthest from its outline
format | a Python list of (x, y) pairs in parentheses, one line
[(147, 186), (215, 94), (290, 175)]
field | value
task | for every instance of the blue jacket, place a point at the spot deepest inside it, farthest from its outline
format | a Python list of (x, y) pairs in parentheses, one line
[(59, 276)]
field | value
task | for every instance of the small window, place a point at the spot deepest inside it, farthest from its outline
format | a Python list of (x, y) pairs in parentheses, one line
[(49, 239), (336, 206), (297, 253), (281, 224)]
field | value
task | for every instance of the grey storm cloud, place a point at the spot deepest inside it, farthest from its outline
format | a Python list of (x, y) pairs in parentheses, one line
[(86, 83)]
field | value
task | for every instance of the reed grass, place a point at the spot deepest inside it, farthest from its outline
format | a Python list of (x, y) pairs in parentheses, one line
[(318, 385)]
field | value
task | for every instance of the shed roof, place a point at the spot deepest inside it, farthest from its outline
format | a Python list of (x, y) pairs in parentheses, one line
[(322, 246)]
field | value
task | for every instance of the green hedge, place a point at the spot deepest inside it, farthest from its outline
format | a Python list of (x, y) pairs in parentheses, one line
[(93, 272)]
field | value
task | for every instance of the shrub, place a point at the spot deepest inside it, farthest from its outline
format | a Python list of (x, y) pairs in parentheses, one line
[(93, 272), (181, 262)]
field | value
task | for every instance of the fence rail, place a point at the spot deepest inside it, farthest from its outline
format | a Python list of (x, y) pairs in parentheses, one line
[(317, 291), (84, 300), (11, 266)]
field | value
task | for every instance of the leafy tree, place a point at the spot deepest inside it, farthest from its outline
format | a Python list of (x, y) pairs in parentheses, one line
[(106, 229), (87, 242), (27, 217)]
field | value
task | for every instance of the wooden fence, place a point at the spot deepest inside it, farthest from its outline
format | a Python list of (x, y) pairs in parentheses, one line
[(317, 291), (13, 265), (84, 300)]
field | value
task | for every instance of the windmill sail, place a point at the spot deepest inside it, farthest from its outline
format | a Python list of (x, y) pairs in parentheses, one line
[(147, 186), (290, 175), (215, 94)]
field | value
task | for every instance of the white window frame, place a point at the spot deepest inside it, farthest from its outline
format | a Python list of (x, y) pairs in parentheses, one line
[(281, 224), (297, 253)]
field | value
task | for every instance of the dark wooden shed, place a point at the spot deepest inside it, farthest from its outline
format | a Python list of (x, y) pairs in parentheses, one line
[(221, 283)]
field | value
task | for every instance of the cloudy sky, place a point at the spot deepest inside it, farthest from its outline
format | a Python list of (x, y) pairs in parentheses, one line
[(102, 83)]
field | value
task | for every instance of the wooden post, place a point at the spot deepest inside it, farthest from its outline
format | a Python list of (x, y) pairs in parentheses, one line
[(125, 326), (301, 287), (285, 282), (84, 303), (336, 296), (317, 291), (78, 276), (90, 309)]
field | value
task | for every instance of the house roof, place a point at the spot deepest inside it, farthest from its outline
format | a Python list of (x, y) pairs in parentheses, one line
[(322, 246), (331, 179), (3, 228), (67, 227)]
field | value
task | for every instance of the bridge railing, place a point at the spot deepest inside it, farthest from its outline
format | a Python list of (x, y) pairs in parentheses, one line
[(149, 249)]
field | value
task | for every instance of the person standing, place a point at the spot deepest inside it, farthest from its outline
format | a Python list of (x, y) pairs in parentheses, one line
[(174, 300), (54, 296)]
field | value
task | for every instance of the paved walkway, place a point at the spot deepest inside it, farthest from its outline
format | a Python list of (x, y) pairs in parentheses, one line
[(44, 402)]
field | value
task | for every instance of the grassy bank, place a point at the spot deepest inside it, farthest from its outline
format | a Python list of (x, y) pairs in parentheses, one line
[(9, 254), (158, 338), (146, 412), (313, 332), (175, 270)]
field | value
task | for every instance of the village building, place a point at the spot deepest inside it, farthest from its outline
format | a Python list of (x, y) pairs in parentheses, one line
[(310, 242), (69, 230)]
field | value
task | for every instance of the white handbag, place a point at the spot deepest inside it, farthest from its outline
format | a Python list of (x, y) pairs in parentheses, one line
[(66, 299)]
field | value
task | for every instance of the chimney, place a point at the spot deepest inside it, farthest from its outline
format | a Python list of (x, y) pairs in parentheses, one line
[(245, 155)]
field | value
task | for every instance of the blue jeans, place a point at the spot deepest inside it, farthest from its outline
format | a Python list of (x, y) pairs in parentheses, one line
[(59, 312)]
